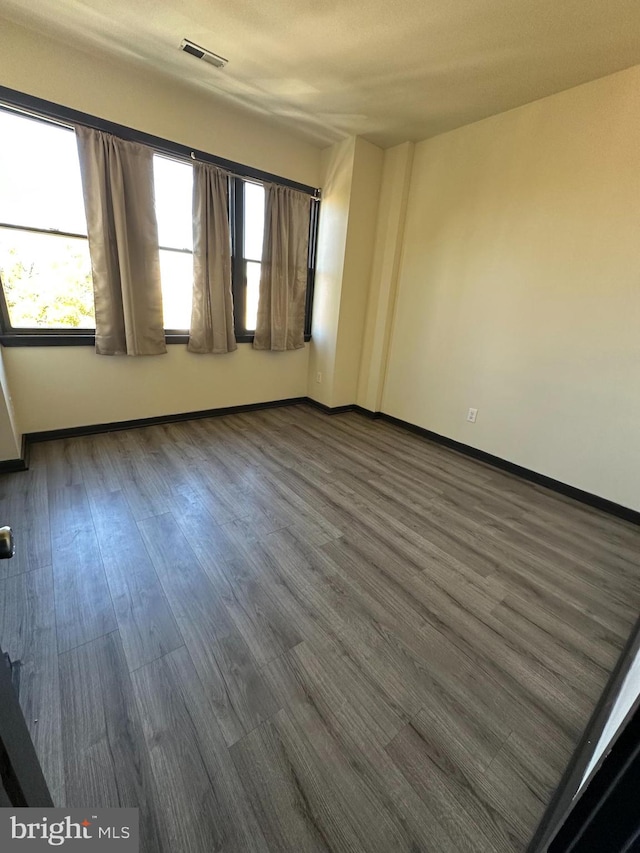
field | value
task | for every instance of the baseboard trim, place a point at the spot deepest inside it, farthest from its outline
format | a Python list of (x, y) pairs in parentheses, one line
[(116, 426), (595, 501), (329, 410), (10, 466), (374, 416), (340, 410)]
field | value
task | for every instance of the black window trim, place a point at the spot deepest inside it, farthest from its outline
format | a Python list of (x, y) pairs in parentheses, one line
[(43, 109)]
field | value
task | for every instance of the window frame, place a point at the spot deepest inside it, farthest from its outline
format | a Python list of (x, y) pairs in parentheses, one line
[(239, 262), (38, 108)]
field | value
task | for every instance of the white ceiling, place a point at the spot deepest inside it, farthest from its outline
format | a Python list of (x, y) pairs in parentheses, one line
[(390, 70)]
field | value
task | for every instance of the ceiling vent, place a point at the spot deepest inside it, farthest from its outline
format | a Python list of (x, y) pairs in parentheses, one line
[(203, 53)]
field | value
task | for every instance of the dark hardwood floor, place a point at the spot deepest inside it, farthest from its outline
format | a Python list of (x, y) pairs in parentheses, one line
[(284, 631)]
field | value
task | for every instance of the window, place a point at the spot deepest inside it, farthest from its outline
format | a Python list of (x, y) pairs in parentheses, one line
[(249, 237), (173, 192), (252, 249), (44, 255), (46, 292), (248, 206), (173, 180)]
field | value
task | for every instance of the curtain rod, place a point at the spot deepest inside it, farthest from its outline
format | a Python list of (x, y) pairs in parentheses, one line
[(193, 158), (67, 117)]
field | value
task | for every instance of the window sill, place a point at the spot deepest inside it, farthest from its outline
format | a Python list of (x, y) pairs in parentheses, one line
[(74, 340), (47, 340)]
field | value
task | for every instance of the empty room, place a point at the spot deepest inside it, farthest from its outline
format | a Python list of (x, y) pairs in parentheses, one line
[(320, 426)]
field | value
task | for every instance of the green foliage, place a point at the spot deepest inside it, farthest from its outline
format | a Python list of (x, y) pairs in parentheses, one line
[(47, 281)]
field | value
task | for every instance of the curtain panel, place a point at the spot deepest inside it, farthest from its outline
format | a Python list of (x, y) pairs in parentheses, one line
[(117, 181), (283, 279), (212, 328)]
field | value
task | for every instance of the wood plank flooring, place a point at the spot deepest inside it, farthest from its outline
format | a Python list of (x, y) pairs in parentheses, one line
[(284, 631)]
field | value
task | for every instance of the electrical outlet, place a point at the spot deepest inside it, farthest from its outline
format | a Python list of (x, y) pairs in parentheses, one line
[(472, 414), (318, 377)]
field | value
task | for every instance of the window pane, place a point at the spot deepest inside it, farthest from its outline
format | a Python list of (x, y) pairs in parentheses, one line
[(173, 182), (253, 221), (253, 291), (40, 183), (176, 269), (47, 280)]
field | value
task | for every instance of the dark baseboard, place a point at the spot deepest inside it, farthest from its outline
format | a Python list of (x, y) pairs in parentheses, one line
[(9, 466), (92, 429), (595, 501), (374, 416), (329, 410), (587, 498), (340, 410)]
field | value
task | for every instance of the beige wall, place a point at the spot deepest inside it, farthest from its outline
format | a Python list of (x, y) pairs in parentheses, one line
[(10, 441), (519, 289), (394, 190), (133, 96), (361, 229), (69, 386), (351, 185), (72, 386), (337, 176)]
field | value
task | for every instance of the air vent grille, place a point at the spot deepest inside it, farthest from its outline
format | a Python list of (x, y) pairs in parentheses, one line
[(203, 53)]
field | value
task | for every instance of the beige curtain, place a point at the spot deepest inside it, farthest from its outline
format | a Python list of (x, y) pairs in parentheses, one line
[(212, 307), (283, 279), (117, 181)]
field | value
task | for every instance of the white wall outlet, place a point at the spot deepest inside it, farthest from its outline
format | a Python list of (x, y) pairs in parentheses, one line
[(472, 414), (318, 377)]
